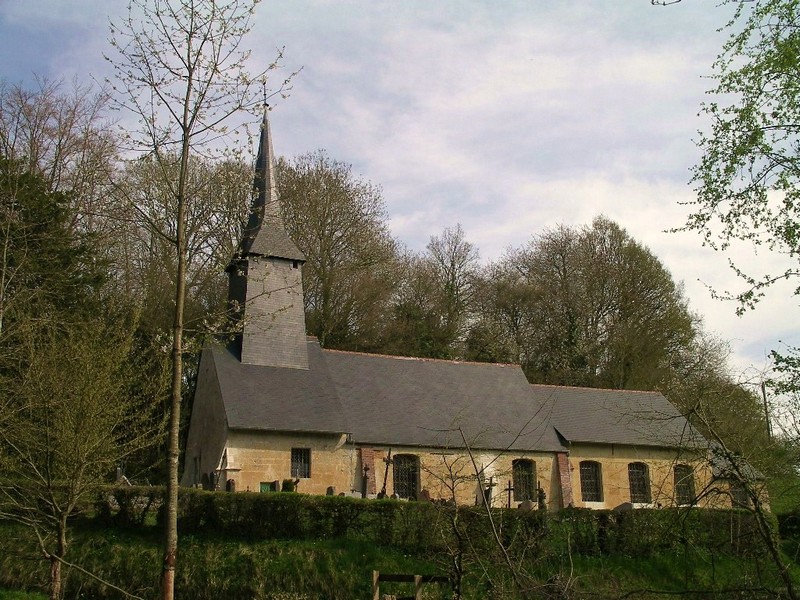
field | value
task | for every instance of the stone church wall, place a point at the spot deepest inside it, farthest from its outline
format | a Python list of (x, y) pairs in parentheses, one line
[(255, 461), (449, 474), (614, 461), (255, 458)]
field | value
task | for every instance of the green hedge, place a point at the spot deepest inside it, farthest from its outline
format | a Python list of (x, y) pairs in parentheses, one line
[(430, 526), (789, 524), (648, 532)]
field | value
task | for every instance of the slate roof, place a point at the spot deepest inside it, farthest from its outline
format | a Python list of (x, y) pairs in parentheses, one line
[(726, 465), (271, 240), (422, 402), (278, 399), (399, 401), (617, 417)]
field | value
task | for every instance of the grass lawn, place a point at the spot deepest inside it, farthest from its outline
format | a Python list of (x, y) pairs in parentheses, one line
[(13, 595)]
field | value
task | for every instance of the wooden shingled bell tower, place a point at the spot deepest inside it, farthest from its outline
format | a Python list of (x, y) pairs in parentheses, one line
[(265, 290)]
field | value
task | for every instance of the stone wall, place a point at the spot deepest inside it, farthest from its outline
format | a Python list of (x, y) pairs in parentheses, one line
[(253, 458), (207, 433), (614, 461), (449, 474)]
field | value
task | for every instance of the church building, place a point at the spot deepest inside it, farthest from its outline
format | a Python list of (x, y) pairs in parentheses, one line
[(275, 407)]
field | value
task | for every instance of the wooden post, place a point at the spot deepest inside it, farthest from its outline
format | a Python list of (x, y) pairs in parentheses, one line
[(376, 576), (417, 587)]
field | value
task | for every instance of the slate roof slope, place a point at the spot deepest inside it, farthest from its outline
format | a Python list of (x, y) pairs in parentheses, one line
[(726, 465), (617, 417), (421, 402), (400, 401), (279, 399), (272, 241)]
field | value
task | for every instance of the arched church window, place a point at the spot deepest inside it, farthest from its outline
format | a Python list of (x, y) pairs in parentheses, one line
[(405, 475), (639, 481), (523, 474), (591, 481), (684, 485)]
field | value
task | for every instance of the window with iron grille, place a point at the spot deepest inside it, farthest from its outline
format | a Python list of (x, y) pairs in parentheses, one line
[(591, 481), (639, 480), (523, 473), (405, 475), (301, 463), (739, 497), (684, 484)]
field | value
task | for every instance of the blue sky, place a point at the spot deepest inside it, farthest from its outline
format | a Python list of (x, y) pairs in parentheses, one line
[(507, 117)]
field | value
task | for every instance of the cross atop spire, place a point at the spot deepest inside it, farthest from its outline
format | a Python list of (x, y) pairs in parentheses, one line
[(265, 233)]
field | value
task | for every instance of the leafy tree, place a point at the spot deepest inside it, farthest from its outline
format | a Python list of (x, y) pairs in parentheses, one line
[(74, 399), (75, 408), (339, 223), (747, 179), (501, 331), (433, 299), (592, 307), (42, 265), (416, 322), (180, 68), (587, 306)]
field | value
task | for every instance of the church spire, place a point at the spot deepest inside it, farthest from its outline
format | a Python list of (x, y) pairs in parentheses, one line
[(265, 285), (265, 233)]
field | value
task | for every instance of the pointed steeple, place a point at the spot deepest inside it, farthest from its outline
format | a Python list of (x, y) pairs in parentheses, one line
[(265, 284), (265, 233)]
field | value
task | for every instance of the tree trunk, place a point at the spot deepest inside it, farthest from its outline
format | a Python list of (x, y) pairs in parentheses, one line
[(173, 452), (55, 578), (56, 583)]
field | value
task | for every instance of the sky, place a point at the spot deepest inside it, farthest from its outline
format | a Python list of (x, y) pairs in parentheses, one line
[(508, 118)]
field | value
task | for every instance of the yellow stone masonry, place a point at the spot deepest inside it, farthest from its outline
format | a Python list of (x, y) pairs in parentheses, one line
[(255, 458)]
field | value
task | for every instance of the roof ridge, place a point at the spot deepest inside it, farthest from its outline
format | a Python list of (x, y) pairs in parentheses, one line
[(595, 389), (420, 358)]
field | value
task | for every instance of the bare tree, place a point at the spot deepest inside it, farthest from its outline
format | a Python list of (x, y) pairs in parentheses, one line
[(338, 220), (455, 261), (738, 472), (181, 70), (63, 136), (221, 192)]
